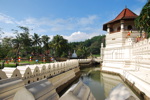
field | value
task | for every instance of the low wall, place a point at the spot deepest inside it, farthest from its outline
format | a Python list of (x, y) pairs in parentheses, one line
[(9, 86), (41, 90), (60, 74)]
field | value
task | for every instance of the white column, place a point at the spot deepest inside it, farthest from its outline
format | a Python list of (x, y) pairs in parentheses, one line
[(122, 25), (108, 28)]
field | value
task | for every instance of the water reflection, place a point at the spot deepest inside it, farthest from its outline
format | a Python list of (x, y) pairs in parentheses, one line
[(91, 78), (109, 81), (100, 83)]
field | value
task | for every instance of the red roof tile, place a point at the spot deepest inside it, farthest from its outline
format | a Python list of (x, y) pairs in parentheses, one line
[(125, 14)]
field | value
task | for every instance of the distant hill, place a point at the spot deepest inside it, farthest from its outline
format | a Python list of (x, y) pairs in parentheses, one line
[(93, 45)]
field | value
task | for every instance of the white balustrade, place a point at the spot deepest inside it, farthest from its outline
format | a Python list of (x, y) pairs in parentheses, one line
[(12, 72), (33, 73)]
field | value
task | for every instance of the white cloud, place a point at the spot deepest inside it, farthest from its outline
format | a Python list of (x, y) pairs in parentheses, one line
[(87, 20), (80, 36), (53, 26), (58, 24), (6, 19)]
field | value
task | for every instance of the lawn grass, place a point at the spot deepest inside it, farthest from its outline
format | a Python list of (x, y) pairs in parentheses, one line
[(12, 64), (9, 65)]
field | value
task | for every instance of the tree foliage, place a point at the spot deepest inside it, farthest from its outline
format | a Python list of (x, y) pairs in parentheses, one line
[(24, 44), (92, 45), (60, 45), (143, 20)]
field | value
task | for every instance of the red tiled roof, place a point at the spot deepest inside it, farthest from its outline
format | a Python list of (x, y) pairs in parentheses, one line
[(125, 14)]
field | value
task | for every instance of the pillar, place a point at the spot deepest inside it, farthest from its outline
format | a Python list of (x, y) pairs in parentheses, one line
[(122, 25), (108, 28)]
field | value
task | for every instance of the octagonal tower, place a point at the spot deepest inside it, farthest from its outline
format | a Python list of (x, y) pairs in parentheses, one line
[(121, 29)]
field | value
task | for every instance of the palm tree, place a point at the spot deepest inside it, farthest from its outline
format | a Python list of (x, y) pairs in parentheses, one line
[(26, 40), (60, 45), (36, 42), (143, 20), (17, 43), (45, 40)]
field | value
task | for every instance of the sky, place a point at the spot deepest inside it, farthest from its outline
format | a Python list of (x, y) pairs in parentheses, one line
[(75, 20)]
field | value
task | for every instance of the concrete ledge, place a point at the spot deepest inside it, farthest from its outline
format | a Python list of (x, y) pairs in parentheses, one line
[(120, 92), (8, 87), (41, 90), (65, 85), (78, 91)]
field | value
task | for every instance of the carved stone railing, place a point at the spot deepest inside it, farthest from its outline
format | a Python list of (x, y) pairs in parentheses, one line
[(33, 73)]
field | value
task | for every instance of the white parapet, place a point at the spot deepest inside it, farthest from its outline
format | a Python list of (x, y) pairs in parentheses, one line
[(12, 72), (26, 73), (2, 75), (35, 72), (84, 60)]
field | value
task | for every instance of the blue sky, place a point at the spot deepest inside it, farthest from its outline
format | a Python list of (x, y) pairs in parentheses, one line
[(76, 20)]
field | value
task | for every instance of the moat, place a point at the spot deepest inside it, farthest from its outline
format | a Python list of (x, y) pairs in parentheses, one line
[(100, 83)]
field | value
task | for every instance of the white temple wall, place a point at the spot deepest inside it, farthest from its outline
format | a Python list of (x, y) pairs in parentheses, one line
[(135, 55)]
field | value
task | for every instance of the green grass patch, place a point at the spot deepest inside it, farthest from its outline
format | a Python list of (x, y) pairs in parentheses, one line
[(22, 63), (9, 65)]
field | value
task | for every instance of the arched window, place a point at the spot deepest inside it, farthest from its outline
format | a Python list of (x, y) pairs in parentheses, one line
[(118, 29), (129, 27)]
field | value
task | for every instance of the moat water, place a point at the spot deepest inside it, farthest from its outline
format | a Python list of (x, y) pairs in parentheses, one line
[(100, 83)]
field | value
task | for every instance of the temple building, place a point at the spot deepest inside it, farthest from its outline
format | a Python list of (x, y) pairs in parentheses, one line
[(121, 34), (127, 51), (120, 28)]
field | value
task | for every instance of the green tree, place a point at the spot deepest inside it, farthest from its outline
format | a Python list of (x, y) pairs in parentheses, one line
[(6, 46), (26, 40), (93, 45), (1, 32), (45, 40), (17, 43), (143, 20), (21, 43), (36, 42), (60, 45), (82, 51)]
